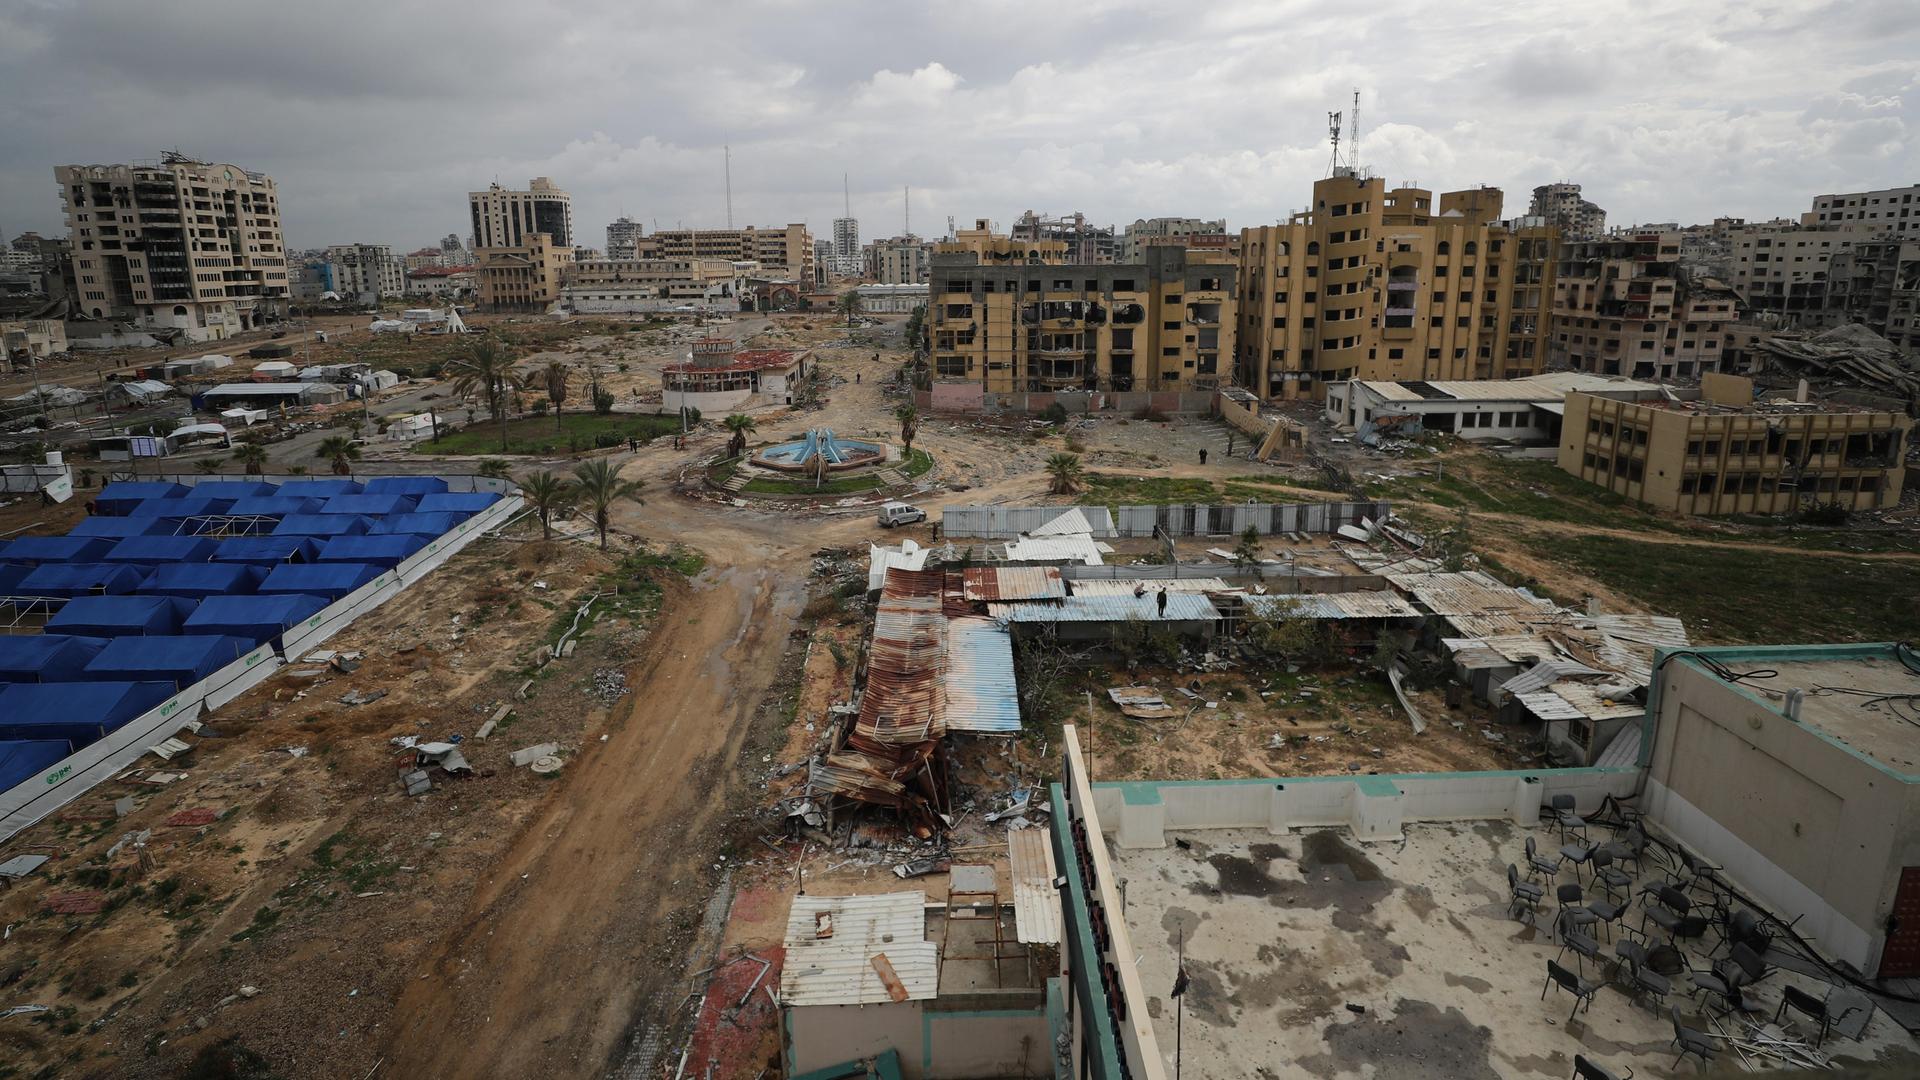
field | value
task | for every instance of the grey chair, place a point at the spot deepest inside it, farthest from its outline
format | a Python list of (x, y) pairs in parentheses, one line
[(1607, 914), (1565, 817), (1664, 906), (1615, 881), (1689, 1040), (1583, 946), (1581, 989), (1538, 864), (1523, 895), (1584, 1068), (1694, 872), (1580, 855), (1573, 913), (1792, 997)]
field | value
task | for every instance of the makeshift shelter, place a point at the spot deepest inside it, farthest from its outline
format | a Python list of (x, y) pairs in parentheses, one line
[(32, 550), (385, 551), (406, 485), (233, 489), (154, 550), (320, 489), (320, 525), (80, 579), (417, 524), (139, 392), (371, 503), (48, 658), (118, 527), (11, 575), (197, 581), (264, 549), (272, 369), (120, 616), (182, 659), (331, 580), (178, 509), (274, 506), (80, 712), (457, 502), (21, 759), (257, 618), (121, 496)]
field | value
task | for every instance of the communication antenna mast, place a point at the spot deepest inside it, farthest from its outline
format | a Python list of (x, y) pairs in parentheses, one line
[(846, 191), (906, 209), (1333, 131), (949, 226), (1353, 133), (728, 151)]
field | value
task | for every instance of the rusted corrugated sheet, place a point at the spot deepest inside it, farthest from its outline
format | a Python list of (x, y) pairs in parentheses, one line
[(903, 704), (981, 694), (983, 583)]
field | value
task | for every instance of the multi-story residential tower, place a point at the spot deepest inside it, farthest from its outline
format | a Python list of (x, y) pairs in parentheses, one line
[(1782, 266), (623, 238), (1890, 211), (503, 218), (175, 244), (1877, 283), (1160, 230), (846, 247), (1563, 208), (1013, 316), (453, 251), (900, 260), (366, 272), (1086, 244), (781, 252), (1622, 306), (1385, 285)]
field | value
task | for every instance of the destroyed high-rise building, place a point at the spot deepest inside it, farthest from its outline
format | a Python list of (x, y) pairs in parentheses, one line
[(1563, 207)]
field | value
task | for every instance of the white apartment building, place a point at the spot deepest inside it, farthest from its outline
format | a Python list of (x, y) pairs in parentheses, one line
[(508, 219), (366, 272), (176, 244), (846, 247), (623, 238), (1889, 211), (900, 260)]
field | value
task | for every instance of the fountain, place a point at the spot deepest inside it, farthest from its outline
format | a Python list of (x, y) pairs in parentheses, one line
[(820, 444)]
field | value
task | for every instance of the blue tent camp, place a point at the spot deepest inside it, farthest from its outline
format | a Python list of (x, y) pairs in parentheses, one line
[(182, 659), (121, 497), (416, 524), (22, 759), (233, 489), (406, 485), (457, 502), (118, 527), (264, 549), (331, 580), (46, 657), (80, 579), (200, 580), (273, 506), (258, 618), (369, 504), (176, 509), (319, 489), (321, 525), (120, 616), (383, 551), (11, 574), (79, 712), (154, 550), (46, 549)]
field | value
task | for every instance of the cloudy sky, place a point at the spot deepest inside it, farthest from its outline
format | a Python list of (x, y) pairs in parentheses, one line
[(377, 118)]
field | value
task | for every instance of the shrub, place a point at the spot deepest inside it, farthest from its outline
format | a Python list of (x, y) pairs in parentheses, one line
[(1055, 413), (607, 440)]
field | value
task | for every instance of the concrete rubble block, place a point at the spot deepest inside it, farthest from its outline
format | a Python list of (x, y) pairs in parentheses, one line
[(521, 693), (532, 754)]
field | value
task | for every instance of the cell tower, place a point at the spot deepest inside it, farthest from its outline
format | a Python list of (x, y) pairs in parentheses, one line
[(906, 210), (1333, 131), (728, 150), (1353, 134)]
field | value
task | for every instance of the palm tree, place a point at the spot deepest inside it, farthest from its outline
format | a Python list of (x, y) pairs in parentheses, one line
[(547, 494), (741, 425), (208, 466), (599, 487), (487, 370), (556, 375), (253, 456), (909, 418), (493, 468), (340, 452), (850, 304), (1065, 472)]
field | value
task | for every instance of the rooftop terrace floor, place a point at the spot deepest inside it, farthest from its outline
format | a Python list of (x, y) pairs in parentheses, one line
[(1284, 935), (1843, 700)]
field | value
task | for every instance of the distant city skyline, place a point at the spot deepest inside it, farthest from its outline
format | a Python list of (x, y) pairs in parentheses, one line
[(377, 120)]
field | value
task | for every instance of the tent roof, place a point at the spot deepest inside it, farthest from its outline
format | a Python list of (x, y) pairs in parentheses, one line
[(187, 506), (369, 503), (321, 525), (406, 485), (385, 550), (182, 659), (320, 579), (257, 617), (263, 549), (274, 506), (44, 549), (198, 580), (76, 710), (161, 549), (20, 759), (417, 524), (232, 489), (114, 616), (100, 525), (320, 489), (133, 491), (79, 579), (458, 502), (45, 657)]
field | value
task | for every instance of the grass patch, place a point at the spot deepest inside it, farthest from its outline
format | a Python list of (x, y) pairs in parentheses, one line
[(835, 485), (1113, 489), (917, 464), (541, 435)]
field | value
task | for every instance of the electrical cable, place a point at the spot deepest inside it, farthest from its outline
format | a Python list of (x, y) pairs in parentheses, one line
[(1718, 669)]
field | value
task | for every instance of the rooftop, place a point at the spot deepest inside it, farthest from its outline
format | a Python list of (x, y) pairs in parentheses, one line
[(1552, 386), (1872, 704)]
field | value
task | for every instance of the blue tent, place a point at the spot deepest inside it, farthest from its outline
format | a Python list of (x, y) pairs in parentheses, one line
[(120, 616), (22, 759), (383, 551), (406, 485), (331, 580), (46, 549), (10, 575), (369, 504), (121, 497), (233, 489), (274, 506), (118, 527), (80, 579), (457, 502), (200, 580), (46, 657), (154, 550), (175, 509), (321, 525), (257, 618), (178, 659), (80, 712), (417, 524), (264, 549), (319, 489)]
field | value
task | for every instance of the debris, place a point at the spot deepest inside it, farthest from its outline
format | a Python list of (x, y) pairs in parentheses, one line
[(80, 902), (1357, 1010), (169, 749), (608, 685), (404, 742), (123, 806), (21, 865), (1143, 702), (547, 765), (1399, 691), (1016, 807), (21, 1010), (521, 694), (249, 991), (918, 867), (193, 818), (531, 754), (321, 656), (361, 697), (343, 665), (415, 782), (296, 751), (444, 754)]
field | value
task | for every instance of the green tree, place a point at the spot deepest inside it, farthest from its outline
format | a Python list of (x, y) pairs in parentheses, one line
[(1064, 473), (849, 304), (600, 487), (340, 452), (208, 466), (1247, 553), (548, 494), (909, 417), (253, 456), (916, 326), (741, 425), (1276, 627), (493, 468), (487, 370), (556, 375)]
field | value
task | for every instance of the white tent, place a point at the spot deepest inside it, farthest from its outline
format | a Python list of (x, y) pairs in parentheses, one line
[(391, 326)]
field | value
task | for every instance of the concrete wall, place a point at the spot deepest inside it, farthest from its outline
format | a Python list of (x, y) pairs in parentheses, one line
[(1125, 403), (955, 397), (982, 1036)]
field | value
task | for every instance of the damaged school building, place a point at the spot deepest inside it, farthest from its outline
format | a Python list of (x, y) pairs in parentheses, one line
[(1728, 834)]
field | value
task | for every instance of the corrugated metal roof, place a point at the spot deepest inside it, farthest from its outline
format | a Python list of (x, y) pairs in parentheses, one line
[(1014, 583), (981, 694), (1545, 674), (903, 703), (1181, 607), (1471, 594), (1059, 549), (1623, 751), (1506, 649), (1548, 705), (1372, 604), (838, 970), (1072, 523), (1036, 904), (908, 556), (1587, 698), (1085, 587)]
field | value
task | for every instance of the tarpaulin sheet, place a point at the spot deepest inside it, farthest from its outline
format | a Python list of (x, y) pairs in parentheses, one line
[(321, 525), (417, 524), (45, 657), (11, 575), (369, 504), (257, 618), (319, 489), (154, 550), (46, 549), (99, 525), (80, 711), (265, 549), (80, 579), (382, 551), (182, 659), (120, 616), (175, 509), (122, 496), (331, 580), (21, 759), (457, 502), (200, 580), (273, 506), (233, 489), (406, 485)]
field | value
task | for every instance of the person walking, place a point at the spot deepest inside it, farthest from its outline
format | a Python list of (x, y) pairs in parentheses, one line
[(1161, 599), (1229, 444), (1203, 455)]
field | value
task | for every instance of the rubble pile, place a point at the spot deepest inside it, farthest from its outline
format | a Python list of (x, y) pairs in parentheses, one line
[(1852, 354)]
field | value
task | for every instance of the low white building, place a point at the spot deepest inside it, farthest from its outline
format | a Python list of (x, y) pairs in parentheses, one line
[(38, 338), (410, 427), (718, 378), (1522, 410), (892, 299)]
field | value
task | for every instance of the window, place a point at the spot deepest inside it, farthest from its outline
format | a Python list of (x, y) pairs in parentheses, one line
[(1171, 324), (1395, 354), (1171, 350), (1280, 323), (1471, 248)]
